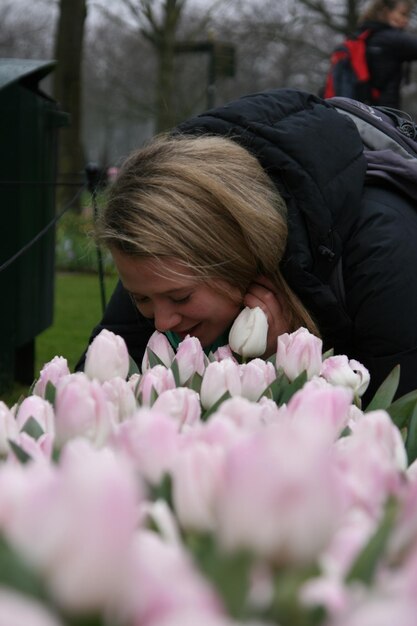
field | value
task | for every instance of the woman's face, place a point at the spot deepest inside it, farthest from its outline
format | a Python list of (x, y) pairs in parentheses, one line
[(166, 292), (399, 16)]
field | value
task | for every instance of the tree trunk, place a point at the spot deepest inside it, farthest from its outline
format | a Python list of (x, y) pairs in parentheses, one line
[(68, 92)]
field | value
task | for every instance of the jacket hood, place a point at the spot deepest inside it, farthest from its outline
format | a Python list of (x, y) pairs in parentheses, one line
[(315, 157)]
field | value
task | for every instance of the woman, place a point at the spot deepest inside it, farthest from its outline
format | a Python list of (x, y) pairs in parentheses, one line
[(264, 202), (389, 47)]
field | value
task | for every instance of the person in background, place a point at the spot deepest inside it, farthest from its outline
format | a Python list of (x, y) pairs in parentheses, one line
[(264, 201), (390, 47)]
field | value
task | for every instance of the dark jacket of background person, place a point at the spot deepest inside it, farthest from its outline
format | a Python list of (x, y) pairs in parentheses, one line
[(388, 51), (340, 220)]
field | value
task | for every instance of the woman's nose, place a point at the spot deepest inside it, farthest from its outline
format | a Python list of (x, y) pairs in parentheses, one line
[(165, 318)]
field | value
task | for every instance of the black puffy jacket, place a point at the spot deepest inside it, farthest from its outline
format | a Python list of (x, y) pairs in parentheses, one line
[(387, 52), (337, 222)]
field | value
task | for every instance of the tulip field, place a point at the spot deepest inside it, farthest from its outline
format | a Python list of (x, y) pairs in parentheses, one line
[(208, 490)]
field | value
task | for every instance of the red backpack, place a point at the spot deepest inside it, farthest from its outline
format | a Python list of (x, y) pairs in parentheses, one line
[(349, 75)]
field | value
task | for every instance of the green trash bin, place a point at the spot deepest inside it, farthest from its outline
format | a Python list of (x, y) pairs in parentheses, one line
[(29, 123)]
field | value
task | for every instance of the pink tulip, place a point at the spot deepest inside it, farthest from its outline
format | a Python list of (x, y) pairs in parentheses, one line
[(339, 370), (18, 609), (196, 476), (219, 377), (38, 449), (351, 536), (120, 393), (83, 513), (383, 607), (182, 404), (322, 408), (154, 381), (161, 347), (328, 592), (256, 376), (190, 359), (133, 382), (372, 460), (150, 440), (107, 357), (82, 410), (219, 431), (273, 482), (8, 428), (223, 352), (38, 408), (297, 352), (156, 563), (248, 416), (51, 372)]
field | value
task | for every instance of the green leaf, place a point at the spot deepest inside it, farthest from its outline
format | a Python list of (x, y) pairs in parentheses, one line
[(133, 368), (276, 388), (386, 392), (366, 563), (162, 491), (33, 428), (86, 620), (153, 396), (402, 409), (17, 574), (153, 358), (297, 384), (327, 354), (286, 608), (176, 372), (20, 454), (215, 406), (50, 392), (281, 389), (195, 381), (411, 441), (228, 572)]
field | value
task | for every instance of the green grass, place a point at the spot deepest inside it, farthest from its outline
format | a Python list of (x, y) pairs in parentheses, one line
[(77, 309)]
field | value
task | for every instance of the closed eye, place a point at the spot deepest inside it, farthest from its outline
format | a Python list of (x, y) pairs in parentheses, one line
[(138, 300), (181, 300)]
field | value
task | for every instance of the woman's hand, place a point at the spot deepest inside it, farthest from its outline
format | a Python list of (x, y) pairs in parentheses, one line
[(262, 293)]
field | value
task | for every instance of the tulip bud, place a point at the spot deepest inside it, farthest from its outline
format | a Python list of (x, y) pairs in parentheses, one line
[(8, 428), (107, 357), (155, 381), (40, 410), (82, 410), (249, 333), (190, 359), (181, 403), (339, 370), (160, 346), (299, 351), (51, 372), (256, 376), (219, 377)]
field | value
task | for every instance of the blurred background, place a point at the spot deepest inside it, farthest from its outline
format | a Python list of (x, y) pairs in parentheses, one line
[(119, 71), (145, 65)]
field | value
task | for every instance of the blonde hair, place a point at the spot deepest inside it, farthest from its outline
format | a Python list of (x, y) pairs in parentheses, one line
[(207, 202)]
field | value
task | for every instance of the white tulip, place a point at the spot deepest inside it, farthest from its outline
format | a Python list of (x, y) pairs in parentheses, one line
[(249, 333)]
